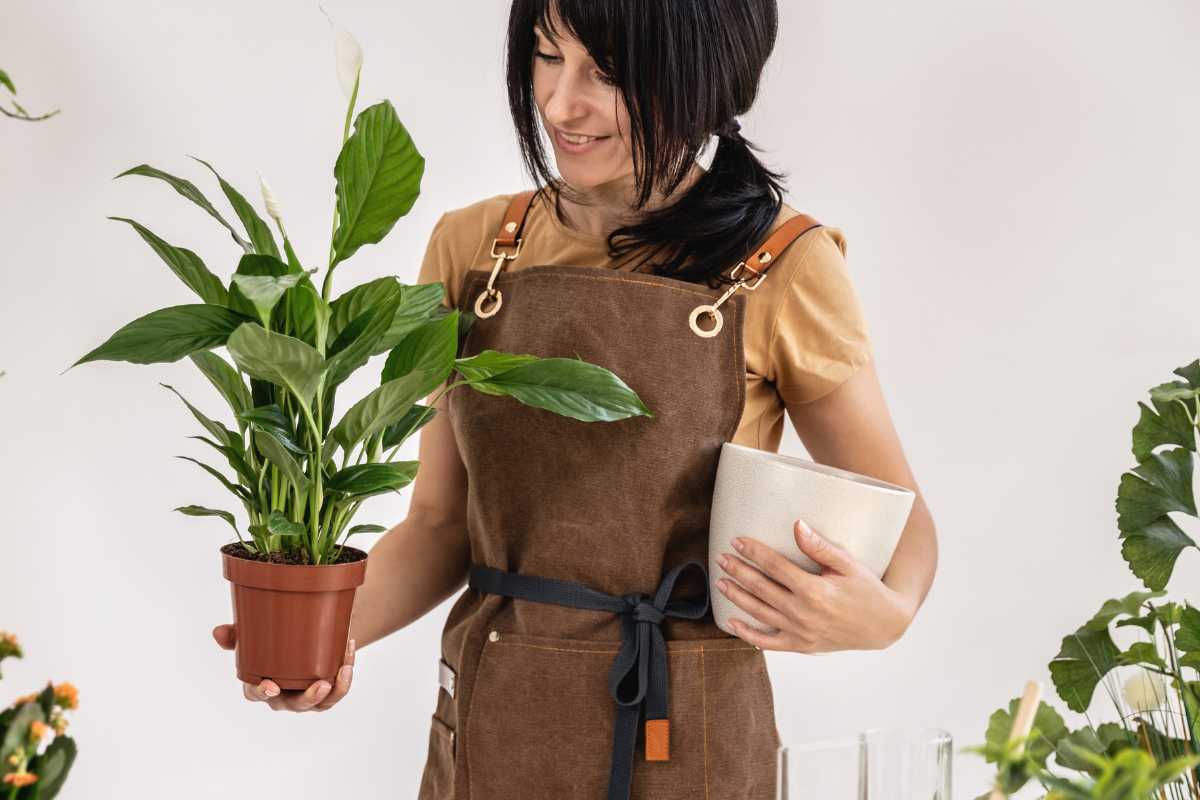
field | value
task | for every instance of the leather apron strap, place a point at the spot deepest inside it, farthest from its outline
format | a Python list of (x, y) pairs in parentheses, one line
[(763, 258)]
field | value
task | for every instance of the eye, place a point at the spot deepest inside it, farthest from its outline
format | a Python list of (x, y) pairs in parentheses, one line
[(547, 57)]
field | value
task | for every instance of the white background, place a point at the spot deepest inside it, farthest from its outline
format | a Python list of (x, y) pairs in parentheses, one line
[(1016, 181)]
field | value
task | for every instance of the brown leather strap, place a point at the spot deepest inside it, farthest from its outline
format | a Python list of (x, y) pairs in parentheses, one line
[(764, 257), (759, 261), (514, 218)]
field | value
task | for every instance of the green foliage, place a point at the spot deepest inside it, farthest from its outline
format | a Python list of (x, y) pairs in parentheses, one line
[(1150, 753), (35, 753), (292, 347)]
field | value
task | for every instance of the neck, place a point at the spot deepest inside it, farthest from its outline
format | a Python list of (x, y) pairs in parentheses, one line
[(598, 210)]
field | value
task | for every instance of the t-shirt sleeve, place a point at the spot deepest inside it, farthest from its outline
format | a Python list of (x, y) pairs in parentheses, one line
[(437, 265), (820, 336)]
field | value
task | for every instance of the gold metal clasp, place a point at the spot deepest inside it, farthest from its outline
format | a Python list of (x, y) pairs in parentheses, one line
[(713, 309), (491, 293)]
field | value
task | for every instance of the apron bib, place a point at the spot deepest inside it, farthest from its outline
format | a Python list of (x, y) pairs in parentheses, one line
[(583, 661)]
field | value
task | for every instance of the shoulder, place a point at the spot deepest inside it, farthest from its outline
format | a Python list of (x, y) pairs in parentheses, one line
[(474, 223), (816, 250)]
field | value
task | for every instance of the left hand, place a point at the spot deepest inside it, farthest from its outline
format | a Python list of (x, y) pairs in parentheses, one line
[(844, 608)]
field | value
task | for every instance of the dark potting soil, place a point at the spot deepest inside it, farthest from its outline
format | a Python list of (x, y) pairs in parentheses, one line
[(343, 555)]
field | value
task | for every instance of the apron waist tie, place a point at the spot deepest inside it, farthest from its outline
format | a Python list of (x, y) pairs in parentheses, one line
[(642, 647)]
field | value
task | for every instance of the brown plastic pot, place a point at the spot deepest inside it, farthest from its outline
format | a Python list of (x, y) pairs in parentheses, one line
[(292, 620)]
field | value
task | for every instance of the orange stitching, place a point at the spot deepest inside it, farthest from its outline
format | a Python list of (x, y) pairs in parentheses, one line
[(525, 271), (589, 652), (704, 719)]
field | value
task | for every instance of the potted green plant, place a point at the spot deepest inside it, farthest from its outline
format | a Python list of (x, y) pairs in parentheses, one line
[(301, 469), (35, 752), (1151, 750)]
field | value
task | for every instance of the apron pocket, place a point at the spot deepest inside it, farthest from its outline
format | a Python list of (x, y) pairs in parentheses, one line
[(437, 781), (540, 721), (742, 736)]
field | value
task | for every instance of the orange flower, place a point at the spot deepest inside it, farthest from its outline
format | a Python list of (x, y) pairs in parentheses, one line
[(66, 695), (20, 778), (37, 729)]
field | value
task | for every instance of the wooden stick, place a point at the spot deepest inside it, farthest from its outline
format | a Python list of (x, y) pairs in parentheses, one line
[(1022, 723)]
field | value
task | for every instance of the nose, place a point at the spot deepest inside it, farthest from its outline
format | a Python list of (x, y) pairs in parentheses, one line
[(568, 101)]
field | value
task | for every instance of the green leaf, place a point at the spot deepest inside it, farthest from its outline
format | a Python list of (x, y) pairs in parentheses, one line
[(270, 418), (356, 342), (1104, 741), (1152, 551), (354, 303), (418, 305), (1152, 541), (18, 729), (258, 231), (219, 431), (7, 82), (239, 491), (188, 190), (366, 480), (1141, 653), (1167, 423), (277, 358), (1047, 721), (186, 265), (264, 291), (489, 363), (168, 334), (379, 409), (280, 525), (225, 378), (568, 387), (278, 455), (53, 766), (1084, 658), (311, 314), (366, 529), (416, 418), (378, 176), (201, 511), (1187, 638), (236, 456), (431, 347)]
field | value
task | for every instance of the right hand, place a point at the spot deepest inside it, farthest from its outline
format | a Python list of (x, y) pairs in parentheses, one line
[(320, 696)]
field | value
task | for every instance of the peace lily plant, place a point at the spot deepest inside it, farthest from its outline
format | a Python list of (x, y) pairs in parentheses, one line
[(1151, 751), (300, 475)]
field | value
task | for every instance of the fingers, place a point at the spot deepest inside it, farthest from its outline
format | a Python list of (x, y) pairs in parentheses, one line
[(260, 692), (226, 636), (341, 684)]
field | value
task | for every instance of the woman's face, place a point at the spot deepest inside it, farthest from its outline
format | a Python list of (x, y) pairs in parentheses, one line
[(573, 97)]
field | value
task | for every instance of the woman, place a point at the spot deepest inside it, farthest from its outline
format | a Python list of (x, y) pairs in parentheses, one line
[(584, 639)]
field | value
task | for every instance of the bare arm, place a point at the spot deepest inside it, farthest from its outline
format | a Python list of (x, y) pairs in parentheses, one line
[(423, 560), (852, 428)]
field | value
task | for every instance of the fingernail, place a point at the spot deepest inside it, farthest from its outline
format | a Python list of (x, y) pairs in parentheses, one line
[(738, 544), (352, 645), (722, 560), (322, 689), (804, 529), (270, 691), (344, 673)]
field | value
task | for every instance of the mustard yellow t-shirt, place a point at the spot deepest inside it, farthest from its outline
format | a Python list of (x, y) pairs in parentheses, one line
[(804, 331)]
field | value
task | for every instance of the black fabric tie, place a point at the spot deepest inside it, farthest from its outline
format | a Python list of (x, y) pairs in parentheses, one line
[(638, 676)]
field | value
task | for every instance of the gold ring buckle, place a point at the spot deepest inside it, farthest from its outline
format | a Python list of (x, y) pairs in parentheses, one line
[(713, 312), (758, 276)]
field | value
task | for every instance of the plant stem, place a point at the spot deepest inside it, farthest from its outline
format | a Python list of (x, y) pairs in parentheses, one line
[(326, 284)]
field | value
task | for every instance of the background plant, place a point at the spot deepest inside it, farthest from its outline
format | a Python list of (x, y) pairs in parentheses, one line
[(293, 347), (17, 112), (35, 752), (1150, 752)]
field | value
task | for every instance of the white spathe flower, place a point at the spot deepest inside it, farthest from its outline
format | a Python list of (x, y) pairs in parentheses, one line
[(1145, 691), (269, 200), (348, 53)]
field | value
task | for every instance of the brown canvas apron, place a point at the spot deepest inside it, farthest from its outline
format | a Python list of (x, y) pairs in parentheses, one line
[(585, 626)]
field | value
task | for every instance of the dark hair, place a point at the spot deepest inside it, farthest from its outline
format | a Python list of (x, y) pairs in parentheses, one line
[(686, 69)]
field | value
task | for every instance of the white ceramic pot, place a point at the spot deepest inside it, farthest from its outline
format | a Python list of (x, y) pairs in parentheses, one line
[(761, 494)]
